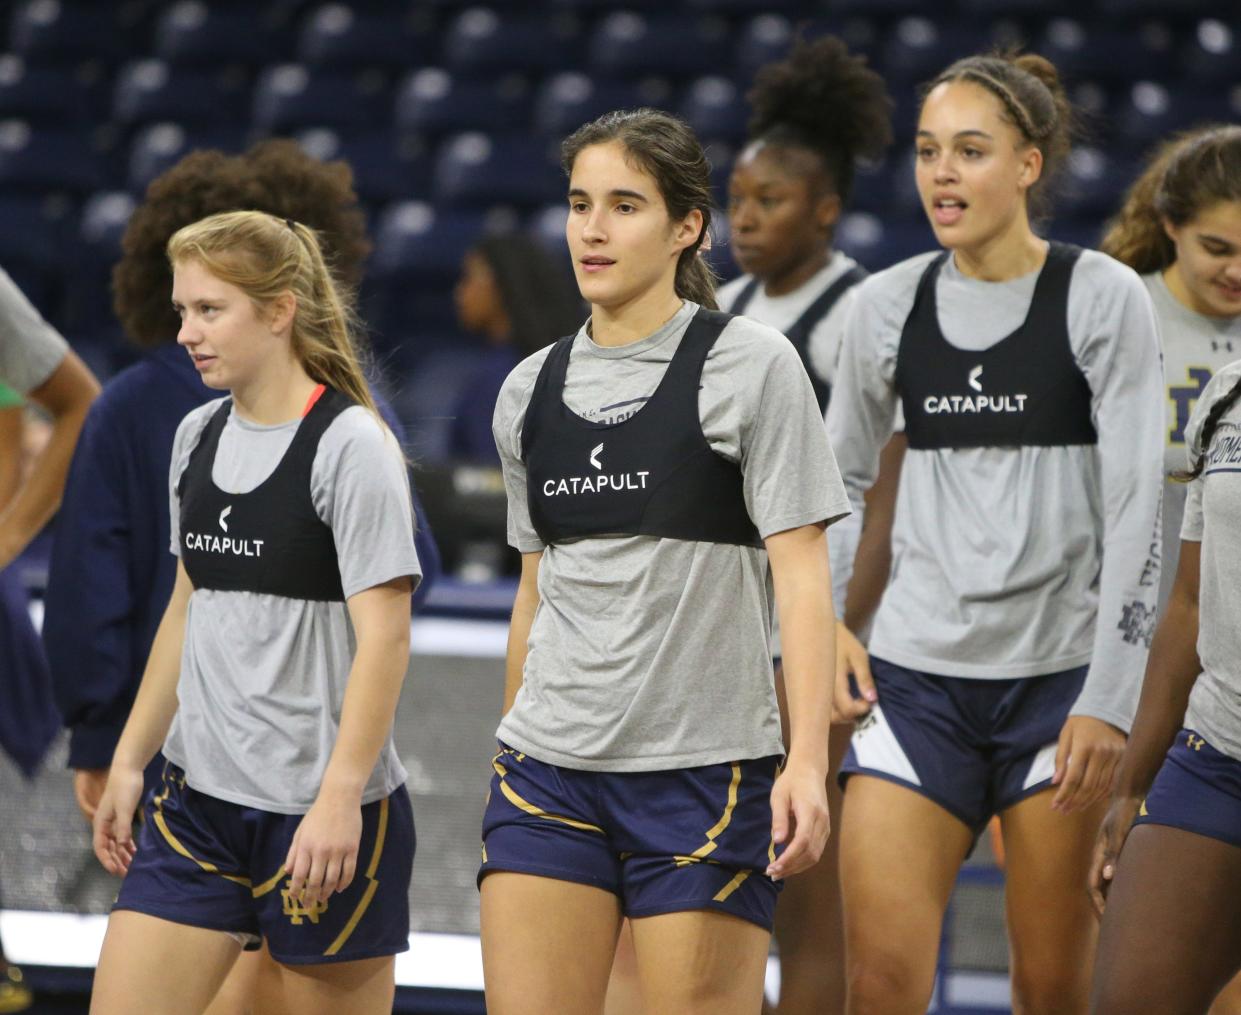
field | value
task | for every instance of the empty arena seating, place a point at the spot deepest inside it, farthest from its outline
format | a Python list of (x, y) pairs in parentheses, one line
[(451, 111)]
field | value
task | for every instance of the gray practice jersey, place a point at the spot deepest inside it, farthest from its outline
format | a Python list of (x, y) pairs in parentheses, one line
[(1194, 347), (648, 653), (1004, 558), (30, 348), (1213, 518), (782, 312), (263, 676)]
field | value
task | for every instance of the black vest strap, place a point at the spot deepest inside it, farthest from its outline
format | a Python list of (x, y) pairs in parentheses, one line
[(1025, 390), (270, 540), (799, 331), (653, 473)]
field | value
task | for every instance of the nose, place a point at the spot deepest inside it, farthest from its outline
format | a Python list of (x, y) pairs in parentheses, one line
[(742, 216), (945, 169), (187, 334), (1232, 271), (592, 227)]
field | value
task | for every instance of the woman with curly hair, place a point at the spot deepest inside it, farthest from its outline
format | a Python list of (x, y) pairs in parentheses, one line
[(815, 114), (111, 574)]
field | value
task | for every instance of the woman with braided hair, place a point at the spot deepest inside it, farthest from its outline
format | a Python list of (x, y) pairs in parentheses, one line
[(815, 114), (1180, 792), (1009, 643)]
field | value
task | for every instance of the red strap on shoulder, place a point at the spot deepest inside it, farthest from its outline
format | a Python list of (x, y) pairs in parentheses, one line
[(314, 397)]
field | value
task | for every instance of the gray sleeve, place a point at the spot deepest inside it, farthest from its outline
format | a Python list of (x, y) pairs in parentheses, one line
[(1113, 332), (1217, 388), (1191, 521), (758, 409), (506, 424), (183, 444), (360, 488), (862, 413), (30, 348)]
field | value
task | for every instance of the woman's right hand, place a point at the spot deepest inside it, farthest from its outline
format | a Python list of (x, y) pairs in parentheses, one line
[(1119, 819), (113, 825), (852, 659)]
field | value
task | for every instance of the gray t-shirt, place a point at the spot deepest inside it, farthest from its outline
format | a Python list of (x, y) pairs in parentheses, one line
[(782, 312), (1194, 348), (263, 676), (648, 653), (1213, 518), (1003, 559), (30, 348)]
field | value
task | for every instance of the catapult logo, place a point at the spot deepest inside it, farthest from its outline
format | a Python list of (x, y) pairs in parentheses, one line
[(225, 545), (934, 405), (573, 485)]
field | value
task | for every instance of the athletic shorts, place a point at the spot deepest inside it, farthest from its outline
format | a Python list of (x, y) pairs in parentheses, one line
[(1197, 789), (662, 842), (975, 747), (209, 863)]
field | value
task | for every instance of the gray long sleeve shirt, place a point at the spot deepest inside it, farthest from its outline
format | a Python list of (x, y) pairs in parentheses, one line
[(1014, 562)]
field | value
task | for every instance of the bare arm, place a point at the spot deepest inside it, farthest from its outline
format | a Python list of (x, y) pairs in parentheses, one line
[(11, 428), (323, 856), (524, 605), (802, 580), (874, 553), (67, 394), (144, 733), (1171, 672)]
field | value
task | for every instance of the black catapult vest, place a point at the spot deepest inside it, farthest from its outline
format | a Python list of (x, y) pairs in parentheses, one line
[(799, 331), (652, 474), (270, 540), (1025, 391)]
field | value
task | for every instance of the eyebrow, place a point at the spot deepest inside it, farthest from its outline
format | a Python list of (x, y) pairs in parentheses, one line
[(960, 133), (1212, 238), (579, 192)]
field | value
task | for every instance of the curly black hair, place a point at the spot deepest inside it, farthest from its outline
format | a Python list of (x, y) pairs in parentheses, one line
[(274, 176), (826, 100)]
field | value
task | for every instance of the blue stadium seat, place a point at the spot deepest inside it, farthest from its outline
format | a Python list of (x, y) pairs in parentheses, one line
[(485, 40), (888, 190), (887, 9), (47, 95), (716, 108), (547, 226), (435, 101), (161, 145), (96, 248), (918, 48), (31, 240), (44, 160), (149, 91), (566, 101), (477, 170), (56, 31), (290, 96), (879, 244), (191, 32), (762, 40), (386, 166), (1121, 10), (1212, 52), (1105, 54), (676, 45), (1093, 183), (608, 6), (416, 240), (338, 35), (734, 8), (1148, 111)]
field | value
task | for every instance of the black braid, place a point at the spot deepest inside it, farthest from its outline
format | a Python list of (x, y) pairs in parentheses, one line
[(1208, 432)]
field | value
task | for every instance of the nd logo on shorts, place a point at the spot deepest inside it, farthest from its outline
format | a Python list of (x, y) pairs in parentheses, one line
[(296, 910)]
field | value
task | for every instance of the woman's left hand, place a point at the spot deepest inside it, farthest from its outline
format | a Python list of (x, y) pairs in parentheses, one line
[(799, 806), (1086, 758), (324, 853)]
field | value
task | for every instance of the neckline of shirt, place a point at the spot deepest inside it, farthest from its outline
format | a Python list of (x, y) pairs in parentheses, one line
[(675, 324)]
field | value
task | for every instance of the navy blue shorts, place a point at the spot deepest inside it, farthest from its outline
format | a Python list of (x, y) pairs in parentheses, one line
[(1198, 789), (209, 863), (662, 842), (975, 747)]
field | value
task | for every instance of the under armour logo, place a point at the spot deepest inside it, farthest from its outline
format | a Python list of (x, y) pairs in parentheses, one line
[(224, 514), (974, 375), (1194, 742), (296, 910), (594, 457)]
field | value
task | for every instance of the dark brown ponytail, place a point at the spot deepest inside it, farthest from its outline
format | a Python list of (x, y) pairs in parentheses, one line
[(1209, 426)]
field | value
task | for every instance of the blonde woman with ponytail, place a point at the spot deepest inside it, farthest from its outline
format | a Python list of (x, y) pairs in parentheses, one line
[(1008, 648), (666, 467), (274, 676)]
